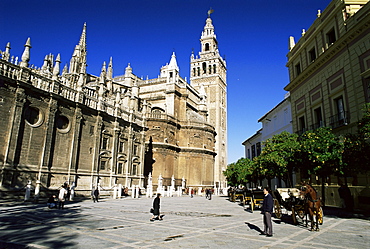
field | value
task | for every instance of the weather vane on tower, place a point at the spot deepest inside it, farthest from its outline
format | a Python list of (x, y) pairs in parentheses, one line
[(210, 11)]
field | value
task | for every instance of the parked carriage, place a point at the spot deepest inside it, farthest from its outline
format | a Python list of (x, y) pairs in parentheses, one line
[(253, 198), (290, 200)]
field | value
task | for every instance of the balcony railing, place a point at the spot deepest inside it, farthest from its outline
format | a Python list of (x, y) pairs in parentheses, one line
[(317, 125), (339, 120)]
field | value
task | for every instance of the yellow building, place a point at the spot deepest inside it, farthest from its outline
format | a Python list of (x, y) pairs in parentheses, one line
[(329, 70)]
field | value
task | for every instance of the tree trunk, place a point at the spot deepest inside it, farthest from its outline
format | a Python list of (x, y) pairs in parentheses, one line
[(323, 190)]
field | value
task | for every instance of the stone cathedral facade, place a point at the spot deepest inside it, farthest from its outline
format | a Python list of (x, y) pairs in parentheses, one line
[(66, 125)]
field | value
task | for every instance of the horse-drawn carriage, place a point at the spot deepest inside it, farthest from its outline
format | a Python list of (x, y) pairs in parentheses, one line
[(248, 197), (235, 194), (252, 198), (299, 202)]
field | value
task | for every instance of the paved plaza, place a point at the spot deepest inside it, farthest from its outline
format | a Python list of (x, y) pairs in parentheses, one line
[(188, 223)]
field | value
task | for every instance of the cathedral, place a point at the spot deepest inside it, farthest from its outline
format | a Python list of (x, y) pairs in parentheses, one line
[(65, 125)]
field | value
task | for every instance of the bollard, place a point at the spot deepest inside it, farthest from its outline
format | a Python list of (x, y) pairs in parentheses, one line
[(72, 195), (37, 191), (137, 190), (27, 195), (119, 190), (115, 192), (133, 191)]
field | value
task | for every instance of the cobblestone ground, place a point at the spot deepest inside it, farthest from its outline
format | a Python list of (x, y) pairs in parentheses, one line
[(188, 223)]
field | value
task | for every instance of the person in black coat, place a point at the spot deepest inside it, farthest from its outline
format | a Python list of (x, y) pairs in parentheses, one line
[(267, 208), (156, 206)]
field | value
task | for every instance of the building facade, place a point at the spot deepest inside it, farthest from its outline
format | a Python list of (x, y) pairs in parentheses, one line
[(71, 127), (277, 120), (329, 70), (65, 125)]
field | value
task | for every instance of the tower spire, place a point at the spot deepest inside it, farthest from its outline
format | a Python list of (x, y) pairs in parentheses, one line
[(78, 60), (173, 62), (26, 53)]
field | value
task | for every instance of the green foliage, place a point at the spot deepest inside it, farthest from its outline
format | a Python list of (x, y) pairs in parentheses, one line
[(278, 157), (364, 123), (240, 172), (318, 152), (321, 151)]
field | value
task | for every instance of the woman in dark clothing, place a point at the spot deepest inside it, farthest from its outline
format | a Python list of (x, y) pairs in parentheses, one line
[(156, 206)]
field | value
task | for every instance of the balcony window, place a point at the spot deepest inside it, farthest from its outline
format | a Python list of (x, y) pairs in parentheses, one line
[(341, 117), (312, 55), (301, 125), (318, 118), (103, 165), (330, 37), (298, 69), (104, 145), (119, 168)]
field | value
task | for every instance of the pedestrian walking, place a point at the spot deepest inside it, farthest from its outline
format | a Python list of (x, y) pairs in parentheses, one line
[(156, 206), (95, 194), (62, 196), (267, 208), (207, 193), (210, 194)]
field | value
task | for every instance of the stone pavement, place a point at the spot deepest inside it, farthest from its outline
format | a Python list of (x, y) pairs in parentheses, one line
[(188, 223)]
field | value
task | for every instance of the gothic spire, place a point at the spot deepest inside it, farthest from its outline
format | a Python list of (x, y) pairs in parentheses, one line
[(110, 70), (78, 60), (173, 62), (26, 54), (102, 74), (6, 53), (56, 69)]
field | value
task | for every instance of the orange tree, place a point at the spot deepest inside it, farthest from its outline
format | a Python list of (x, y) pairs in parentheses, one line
[(321, 153), (231, 174), (356, 155), (240, 172), (278, 157)]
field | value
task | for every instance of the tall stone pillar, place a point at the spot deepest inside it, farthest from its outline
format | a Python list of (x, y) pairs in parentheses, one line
[(10, 157), (75, 145), (96, 154), (50, 121)]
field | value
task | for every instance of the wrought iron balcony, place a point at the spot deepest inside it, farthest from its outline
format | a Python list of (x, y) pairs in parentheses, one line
[(339, 120)]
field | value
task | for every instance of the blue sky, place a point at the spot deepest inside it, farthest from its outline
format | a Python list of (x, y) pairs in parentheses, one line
[(252, 35)]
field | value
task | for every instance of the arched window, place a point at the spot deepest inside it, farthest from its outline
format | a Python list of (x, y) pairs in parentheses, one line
[(214, 68), (204, 65), (206, 47)]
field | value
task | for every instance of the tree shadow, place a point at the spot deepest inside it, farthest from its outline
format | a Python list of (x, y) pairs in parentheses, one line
[(29, 224), (335, 212)]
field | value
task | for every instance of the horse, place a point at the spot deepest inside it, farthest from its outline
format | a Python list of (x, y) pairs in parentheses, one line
[(312, 205)]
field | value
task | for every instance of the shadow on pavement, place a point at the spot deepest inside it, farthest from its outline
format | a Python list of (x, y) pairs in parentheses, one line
[(25, 224)]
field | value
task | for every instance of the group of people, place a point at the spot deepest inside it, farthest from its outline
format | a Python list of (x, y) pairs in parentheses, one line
[(266, 210), (54, 202), (58, 202)]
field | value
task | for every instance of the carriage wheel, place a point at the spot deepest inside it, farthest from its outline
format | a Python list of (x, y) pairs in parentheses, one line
[(320, 216), (277, 209), (294, 216)]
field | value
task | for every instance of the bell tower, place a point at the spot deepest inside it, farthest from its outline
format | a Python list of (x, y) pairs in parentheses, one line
[(208, 72)]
